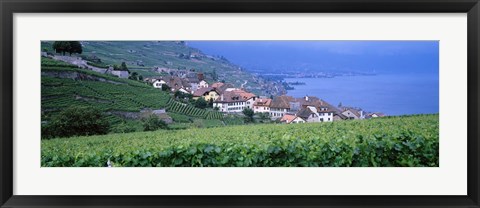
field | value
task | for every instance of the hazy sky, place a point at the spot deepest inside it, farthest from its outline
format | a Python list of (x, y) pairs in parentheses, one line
[(386, 57)]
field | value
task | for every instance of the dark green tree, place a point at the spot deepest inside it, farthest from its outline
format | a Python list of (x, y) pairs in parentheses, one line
[(248, 115), (210, 103), (70, 47), (123, 67), (76, 121), (201, 103), (133, 76), (166, 88), (75, 47)]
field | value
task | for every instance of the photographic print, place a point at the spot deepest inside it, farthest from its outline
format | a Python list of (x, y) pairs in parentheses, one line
[(312, 103)]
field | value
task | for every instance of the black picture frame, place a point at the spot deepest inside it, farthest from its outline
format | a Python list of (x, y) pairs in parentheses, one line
[(10, 7)]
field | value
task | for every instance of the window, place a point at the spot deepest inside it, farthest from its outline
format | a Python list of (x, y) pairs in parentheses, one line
[(329, 119)]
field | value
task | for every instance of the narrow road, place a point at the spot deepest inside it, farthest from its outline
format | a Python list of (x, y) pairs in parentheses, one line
[(246, 81)]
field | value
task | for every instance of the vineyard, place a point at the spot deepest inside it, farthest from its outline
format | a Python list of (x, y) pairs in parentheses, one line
[(106, 93), (411, 141)]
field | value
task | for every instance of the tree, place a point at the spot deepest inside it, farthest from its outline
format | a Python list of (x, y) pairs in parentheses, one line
[(76, 121), (166, 88), (133, 76), (177, 94), (201, 103), (123, 67), (75, 47), (152, 123), (67, 47), (210, 103), (248, 115)]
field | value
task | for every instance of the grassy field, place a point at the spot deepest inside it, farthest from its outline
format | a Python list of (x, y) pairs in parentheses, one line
[(411, 141)]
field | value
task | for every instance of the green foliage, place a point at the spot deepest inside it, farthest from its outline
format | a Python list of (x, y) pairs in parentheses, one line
[(180, 118), (181, 95), (153, 122), (201, 103), (133, 76), (248, 115), (166, 88), (123, 67), (123, 127), (388, 142), (70, 47), (76, 121), (264, 117), (189, 110), (51, 63)]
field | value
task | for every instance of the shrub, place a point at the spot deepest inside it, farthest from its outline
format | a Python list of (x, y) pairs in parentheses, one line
[(201, 103), (152, 123), (76, 121), (248, 115)]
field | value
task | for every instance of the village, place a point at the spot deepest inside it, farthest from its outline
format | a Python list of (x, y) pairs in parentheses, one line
[(226, 98)]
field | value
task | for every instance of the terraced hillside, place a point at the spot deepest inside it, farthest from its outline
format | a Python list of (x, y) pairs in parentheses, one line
[(65, 85), (143, 56)]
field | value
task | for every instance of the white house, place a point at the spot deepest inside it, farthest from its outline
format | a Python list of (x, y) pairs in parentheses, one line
[(325, 114), (262, 105), (234, 101), (202, 84), (289, 119), (158, 83), (351, 113), (280, 106), (377, 115), (316, 114)]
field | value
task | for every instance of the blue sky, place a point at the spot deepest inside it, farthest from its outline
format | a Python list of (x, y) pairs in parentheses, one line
[(385, 57)]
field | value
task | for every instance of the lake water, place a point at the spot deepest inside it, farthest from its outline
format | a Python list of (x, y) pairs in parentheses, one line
[(390, 94)]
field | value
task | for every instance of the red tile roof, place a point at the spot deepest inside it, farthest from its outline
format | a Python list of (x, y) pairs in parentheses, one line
[(288, 118), (263, 102)]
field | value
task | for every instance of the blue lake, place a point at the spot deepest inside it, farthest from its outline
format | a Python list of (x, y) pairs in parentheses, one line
[(390, 94)]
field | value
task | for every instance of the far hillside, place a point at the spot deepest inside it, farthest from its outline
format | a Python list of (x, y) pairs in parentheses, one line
[(157, 58)]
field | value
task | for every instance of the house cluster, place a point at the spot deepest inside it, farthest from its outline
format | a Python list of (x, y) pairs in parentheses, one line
[(312, 109), (287, 109), (186, 84)]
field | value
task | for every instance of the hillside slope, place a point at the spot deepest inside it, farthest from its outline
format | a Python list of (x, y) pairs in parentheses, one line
[(65, 85), (146, 56)]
